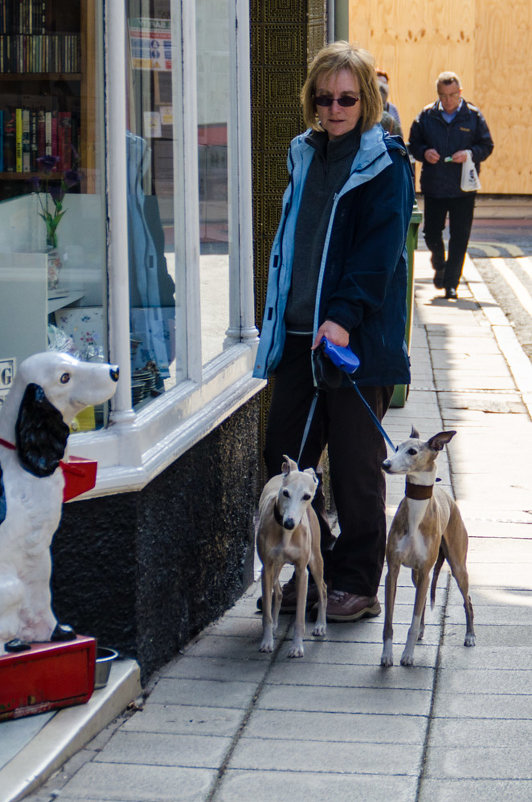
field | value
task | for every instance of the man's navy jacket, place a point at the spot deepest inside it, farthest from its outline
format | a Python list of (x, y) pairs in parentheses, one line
[(467, 131)]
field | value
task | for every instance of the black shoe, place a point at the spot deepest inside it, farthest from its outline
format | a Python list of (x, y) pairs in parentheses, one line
[(439, 276), (451, 293), (289, 598)]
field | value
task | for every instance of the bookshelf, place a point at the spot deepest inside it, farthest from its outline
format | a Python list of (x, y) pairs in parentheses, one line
[(48, 88)]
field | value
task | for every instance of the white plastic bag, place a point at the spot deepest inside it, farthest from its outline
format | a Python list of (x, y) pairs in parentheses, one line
[(469, 181)]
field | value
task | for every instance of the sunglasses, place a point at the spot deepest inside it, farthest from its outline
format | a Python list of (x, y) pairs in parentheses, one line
[(326, 100)]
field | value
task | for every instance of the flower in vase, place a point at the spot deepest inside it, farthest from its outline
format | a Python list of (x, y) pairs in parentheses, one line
[(54, 190)]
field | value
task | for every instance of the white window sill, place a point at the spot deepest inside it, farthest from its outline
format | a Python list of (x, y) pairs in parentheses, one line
[(132, 453)]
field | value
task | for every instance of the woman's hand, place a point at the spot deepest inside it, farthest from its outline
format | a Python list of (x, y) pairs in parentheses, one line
[(335, 333)]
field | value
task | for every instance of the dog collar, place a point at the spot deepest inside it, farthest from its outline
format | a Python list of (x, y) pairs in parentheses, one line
[(418, 492), (80, 475), (277, 515)]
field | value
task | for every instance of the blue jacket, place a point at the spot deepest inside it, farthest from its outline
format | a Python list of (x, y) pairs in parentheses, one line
[(363, 273), (467, 131)]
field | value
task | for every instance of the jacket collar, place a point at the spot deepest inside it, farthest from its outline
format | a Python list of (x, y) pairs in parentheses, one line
[(372, 147)]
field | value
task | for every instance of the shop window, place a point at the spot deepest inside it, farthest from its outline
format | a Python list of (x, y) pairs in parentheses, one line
[(151, 172), (52, 199), (213, 94)]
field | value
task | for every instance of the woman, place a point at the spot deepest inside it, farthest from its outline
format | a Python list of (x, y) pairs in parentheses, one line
[(338, 269)]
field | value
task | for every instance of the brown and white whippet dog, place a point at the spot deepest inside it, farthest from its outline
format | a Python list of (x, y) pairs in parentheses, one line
[(427, 528)]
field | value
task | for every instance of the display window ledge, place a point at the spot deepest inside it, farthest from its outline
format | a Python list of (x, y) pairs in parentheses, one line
[(134, 451)]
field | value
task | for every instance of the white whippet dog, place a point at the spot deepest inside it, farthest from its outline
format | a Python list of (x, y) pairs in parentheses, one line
[(289, 532), (427, 528)]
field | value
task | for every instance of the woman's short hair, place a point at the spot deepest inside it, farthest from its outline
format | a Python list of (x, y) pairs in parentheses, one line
[(332, 59)]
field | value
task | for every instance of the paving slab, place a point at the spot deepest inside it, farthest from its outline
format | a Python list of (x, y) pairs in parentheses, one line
[(346, 700), (212, 693), (165, 749), (185, 719), (444, 790), (479, 762), (282, 786), (115, 782), (326, 756), (327, 726)]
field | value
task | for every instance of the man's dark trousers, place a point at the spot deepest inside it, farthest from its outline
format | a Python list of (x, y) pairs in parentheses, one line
[(460, 212)]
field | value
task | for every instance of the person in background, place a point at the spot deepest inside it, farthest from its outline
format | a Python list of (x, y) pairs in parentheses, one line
[(387, 107), (338, 270), (440, 137)]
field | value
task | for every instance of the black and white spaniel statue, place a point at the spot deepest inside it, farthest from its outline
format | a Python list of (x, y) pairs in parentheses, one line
[(48, 391)]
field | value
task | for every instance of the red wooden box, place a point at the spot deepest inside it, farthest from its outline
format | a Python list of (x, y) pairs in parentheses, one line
[(47, 676)]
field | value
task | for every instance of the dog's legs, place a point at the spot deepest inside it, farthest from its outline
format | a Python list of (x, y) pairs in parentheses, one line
[(390, 587), (455, 551), (423, 579), (422, 622), (316, 569), (277, 597), (296, 649), (267, 622), (462, 580)]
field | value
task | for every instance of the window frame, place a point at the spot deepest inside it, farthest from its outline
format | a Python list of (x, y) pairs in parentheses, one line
[(136, 447)]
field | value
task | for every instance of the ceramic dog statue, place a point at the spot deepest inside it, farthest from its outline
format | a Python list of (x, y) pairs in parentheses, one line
[(48, 391)]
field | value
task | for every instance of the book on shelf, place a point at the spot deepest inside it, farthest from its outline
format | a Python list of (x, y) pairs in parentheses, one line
[(26, 116), (41, 133), (18, 140), (9, 140), (48, 133), (34, 141), (64, 140)]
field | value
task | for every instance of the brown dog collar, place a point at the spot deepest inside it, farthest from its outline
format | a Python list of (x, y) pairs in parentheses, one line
[(418, 492)]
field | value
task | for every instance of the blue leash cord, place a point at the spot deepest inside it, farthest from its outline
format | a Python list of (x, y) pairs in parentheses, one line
[(307, 424), (312, 409), (375, 419)]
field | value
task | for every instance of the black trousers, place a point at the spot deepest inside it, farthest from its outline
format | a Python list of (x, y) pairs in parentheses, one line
[(460, 211), (356, 451)]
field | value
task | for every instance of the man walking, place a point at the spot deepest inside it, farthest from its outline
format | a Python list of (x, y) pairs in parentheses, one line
[(440, 137)]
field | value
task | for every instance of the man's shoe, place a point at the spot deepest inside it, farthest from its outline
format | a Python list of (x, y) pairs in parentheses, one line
[(343, 606), (289, 599), (451, 294), (439, 276)]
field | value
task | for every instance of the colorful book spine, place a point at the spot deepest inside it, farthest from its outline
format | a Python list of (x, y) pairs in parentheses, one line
[(26, 142), (41, 134), (54, 132), (64, 140), (18, 140), (48, 133), (9, 140), (34, 117)]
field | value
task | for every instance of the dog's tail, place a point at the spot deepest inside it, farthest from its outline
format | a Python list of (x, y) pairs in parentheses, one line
[(435, 575)]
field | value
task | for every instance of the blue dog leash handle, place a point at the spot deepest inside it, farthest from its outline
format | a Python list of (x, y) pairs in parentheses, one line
[(341, 356), (347, 361)]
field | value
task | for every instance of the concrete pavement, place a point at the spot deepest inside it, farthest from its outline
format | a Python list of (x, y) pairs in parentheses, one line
[(223, 722)]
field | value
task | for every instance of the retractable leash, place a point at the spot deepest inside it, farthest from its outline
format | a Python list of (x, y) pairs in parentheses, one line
[(348, 362)]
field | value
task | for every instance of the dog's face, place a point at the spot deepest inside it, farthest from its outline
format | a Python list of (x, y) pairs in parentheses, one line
[(69, 384), (415, 455), (296, 493)]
